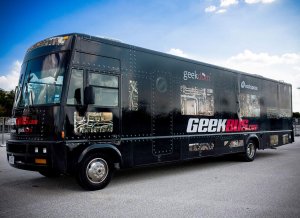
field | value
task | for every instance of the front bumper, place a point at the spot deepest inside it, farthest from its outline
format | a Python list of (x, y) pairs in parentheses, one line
[(22, 154)]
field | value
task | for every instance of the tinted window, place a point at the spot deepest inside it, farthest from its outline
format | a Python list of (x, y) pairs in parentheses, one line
[(75, 93), (106, 97), (103, 80), (99, 62), (105, 88)]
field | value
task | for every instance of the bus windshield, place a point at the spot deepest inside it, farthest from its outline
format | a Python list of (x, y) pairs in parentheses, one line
[(41, 80)]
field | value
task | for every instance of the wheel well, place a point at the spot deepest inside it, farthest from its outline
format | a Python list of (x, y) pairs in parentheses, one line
[(114, 156), (255, 141)]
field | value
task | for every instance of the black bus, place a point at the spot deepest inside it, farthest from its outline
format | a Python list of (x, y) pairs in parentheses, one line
[(86, 106)]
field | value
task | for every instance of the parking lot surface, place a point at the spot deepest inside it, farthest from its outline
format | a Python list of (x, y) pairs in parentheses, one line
[(211, 187)]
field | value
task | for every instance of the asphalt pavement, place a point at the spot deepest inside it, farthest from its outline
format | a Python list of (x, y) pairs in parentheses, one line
[(212, 187)]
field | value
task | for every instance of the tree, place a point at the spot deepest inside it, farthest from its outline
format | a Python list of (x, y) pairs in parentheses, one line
[(6, 102), (296, 115)]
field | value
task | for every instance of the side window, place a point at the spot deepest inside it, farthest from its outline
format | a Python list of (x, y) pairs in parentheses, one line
[(106, 88), (75, 93)]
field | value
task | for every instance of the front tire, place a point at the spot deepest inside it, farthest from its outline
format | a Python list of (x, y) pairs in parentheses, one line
[(250, 151), (94, 172)]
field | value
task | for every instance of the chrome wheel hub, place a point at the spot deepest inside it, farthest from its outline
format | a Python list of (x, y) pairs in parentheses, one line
[(97, 170), (250, 150)]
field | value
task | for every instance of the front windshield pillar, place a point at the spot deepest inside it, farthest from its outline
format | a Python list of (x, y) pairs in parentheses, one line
[(18, 89)]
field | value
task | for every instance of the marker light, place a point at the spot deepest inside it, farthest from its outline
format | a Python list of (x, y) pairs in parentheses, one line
[(44, 150), (40, 161), (60, 40), (62, 134), (36, 150)]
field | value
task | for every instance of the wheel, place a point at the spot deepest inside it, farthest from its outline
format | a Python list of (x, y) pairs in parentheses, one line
[(49, 173), (94, 172), (250, 152)]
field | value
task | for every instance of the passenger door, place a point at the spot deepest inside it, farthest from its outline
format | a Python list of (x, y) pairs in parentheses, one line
[(74, 105), (102, 119)]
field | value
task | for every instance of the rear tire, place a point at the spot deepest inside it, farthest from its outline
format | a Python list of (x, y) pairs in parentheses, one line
[(94, 172), (250, 151)]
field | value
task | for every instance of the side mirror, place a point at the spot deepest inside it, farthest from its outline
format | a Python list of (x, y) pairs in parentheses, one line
[(89, 95), (77, 96)]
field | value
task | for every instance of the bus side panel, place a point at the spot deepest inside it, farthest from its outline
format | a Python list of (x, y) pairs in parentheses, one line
[(148, 108), (160, 94)]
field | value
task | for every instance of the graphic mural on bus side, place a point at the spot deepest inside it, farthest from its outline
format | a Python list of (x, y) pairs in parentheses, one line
[(201, 146), (285, 113), (272, 112), (93, 122), (133, 95), (249, 105), (285, 139), (197, 101), (234, 143), (274, 139)]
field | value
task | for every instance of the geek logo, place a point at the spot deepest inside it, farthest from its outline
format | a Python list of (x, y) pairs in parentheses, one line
[(195, 76), (219, 125)]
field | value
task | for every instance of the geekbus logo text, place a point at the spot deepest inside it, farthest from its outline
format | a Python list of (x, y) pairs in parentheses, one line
[(219, 125), (196, 76)]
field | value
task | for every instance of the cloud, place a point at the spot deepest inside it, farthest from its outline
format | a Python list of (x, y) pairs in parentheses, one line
[(10, 80), (211, 8), (224, 4), (297, 69), (178, 52), (284, 67), (227, 3), (259, 1), (221, 11), (265, 58)]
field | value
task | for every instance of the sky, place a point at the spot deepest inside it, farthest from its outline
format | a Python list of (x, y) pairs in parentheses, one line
[(254, 36)]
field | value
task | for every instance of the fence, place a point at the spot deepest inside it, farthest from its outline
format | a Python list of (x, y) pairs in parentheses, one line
[(5, 127), (296, 124)]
